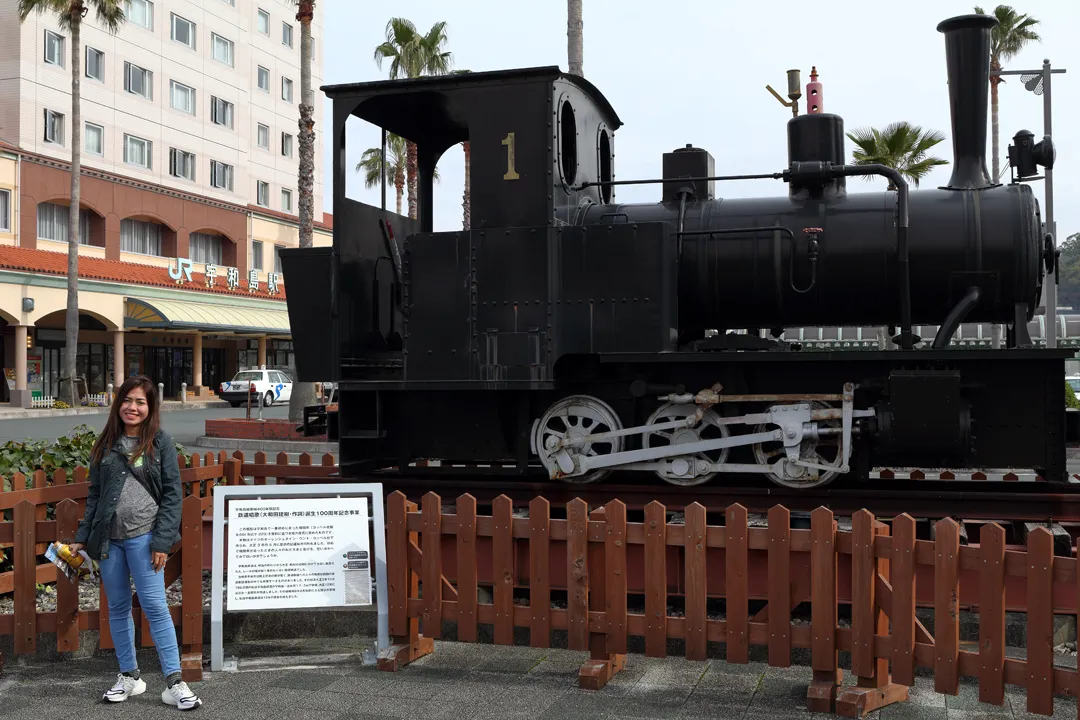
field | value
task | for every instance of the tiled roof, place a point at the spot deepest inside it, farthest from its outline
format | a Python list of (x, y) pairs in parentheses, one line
[(92, 268)]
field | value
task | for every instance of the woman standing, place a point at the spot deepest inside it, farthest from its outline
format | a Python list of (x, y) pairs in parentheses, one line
[(132, 519)]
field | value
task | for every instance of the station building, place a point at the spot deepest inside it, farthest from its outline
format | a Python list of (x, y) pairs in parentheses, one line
[(187, 192)]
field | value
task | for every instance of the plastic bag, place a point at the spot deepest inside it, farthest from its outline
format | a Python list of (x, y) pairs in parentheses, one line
[(72, 565)]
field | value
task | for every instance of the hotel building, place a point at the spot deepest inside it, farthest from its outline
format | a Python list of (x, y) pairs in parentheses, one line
[(188, 190)]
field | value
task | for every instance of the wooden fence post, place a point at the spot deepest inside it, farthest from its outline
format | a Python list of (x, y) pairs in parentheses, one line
[(947, 607), (67, 593), (466, 568), (602, 664), (25, 578), (655, 580), (191, 606), (577, 571), (873, 689), (406, 642), (821, 695), (539, 576), (696, 640), (992, 614), (1040, 622)]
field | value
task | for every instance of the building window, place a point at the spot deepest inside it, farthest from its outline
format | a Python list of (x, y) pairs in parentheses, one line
[(286, 89), (138, 151), (256, 255), (140, 12), (138, 81), (286, 144), (286, 201), (95, 64), (221, 112), (223, 49), (54, 127), (264, 79), (286, 34), (205, 248), (262, 193), (140, 237), (277, 258), (5, 210), (182, 97), (52, 223), (221, 175), (181, 164), (262, 136), (54, 49), (264, 22), (183, 31), (93, 139)]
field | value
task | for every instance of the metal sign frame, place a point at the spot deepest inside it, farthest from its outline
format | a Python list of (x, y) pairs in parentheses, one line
[(374, 491)]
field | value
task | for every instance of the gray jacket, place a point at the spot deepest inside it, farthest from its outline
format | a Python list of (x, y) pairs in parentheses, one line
[(107, 479)]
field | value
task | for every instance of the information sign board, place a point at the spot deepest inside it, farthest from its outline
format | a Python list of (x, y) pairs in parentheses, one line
[(294, 552)]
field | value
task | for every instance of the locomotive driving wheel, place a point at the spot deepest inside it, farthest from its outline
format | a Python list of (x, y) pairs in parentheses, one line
[(824, 450), (574, 418), (680, 471)]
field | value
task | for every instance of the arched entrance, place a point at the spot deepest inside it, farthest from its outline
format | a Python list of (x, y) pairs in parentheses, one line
[(94, 357)]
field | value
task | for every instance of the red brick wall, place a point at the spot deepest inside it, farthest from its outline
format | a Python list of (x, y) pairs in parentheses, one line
[(240, 429)]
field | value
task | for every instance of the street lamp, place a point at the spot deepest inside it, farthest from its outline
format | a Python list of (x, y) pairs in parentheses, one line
[(1038, 82)]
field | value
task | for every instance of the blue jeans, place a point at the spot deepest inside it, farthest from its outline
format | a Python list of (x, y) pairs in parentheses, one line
[(131, 558)]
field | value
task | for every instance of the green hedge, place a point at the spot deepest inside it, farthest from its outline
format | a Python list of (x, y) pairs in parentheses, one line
[(1070, 397)]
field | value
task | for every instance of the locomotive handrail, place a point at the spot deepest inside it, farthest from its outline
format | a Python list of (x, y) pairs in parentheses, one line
[(651, 181)]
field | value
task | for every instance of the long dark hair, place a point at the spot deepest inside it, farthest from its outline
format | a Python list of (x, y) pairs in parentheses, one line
[(114, 426)]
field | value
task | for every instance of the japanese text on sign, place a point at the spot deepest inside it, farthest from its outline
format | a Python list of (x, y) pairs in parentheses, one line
[(298, 553)]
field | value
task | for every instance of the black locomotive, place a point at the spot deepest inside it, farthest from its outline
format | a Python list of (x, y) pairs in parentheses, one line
[(568, 336)]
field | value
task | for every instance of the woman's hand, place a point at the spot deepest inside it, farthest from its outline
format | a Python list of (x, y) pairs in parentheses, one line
[(75, 547), (158, 561)]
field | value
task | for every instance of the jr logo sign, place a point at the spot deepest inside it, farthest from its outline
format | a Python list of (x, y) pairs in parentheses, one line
[(180, 270)]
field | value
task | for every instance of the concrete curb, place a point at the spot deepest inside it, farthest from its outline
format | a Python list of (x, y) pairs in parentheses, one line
[(176, 407), (289, 446)]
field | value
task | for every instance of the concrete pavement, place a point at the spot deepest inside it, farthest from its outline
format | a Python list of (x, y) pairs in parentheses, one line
[(467, 680)]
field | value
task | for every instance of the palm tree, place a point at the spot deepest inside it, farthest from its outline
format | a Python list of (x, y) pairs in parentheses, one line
[(901, 146), (1012, 33), (413, 55), (70, 14), (575, 38), (371, 166), (303, 394), (466, 201)]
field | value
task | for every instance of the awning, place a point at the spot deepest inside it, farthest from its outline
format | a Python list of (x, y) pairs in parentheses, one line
[(178, 314)]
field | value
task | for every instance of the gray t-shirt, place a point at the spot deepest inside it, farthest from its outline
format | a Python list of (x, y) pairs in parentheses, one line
[(136, 511)]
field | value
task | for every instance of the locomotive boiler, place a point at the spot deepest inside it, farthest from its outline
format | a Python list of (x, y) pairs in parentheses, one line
[(566, 335)]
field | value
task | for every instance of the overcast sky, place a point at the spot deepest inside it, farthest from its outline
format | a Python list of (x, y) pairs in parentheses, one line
[(695, 72)]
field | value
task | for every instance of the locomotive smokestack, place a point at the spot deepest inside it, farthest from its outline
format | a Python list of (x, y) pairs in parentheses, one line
[(967, 57)]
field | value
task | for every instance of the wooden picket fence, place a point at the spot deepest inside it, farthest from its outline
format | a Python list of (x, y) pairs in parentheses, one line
[(600, 560), (29, 501)]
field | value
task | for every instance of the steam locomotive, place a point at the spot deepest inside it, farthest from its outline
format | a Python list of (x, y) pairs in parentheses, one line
[(565, 335)]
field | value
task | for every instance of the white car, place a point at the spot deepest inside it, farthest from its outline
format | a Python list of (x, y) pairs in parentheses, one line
[(272, 385)]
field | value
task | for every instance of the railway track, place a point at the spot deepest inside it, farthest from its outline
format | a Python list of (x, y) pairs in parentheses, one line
[(970, 500)]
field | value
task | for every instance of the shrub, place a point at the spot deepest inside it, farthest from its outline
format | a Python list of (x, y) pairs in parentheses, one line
[(1070, 397)]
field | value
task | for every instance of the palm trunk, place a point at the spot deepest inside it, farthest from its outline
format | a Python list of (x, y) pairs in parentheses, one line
[(399, 186), (574, 38), (71, 320), (411, 171), (466, 220), (994, 82), (303, 393)]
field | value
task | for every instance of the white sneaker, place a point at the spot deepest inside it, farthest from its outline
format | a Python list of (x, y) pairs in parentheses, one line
[(181, 696), (125, 687)]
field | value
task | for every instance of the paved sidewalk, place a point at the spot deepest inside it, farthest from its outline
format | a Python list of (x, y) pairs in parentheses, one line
[(462, 680), (7, 412)]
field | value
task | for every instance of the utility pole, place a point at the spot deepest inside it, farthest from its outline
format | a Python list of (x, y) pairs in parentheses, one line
[(1038, 82)]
